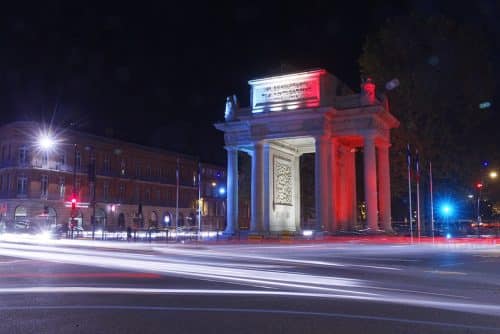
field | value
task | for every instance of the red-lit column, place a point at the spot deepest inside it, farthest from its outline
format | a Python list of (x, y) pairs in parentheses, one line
[(342, 189), (384, 186), (370, 172), (232, 190), (334, 185), (257, 189), (351, 186), (322, 190)]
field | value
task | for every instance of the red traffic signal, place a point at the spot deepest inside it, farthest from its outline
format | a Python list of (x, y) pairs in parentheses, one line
[(73, 203), (479, 185)]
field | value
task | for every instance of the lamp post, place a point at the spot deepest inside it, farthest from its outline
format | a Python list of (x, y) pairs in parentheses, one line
[(48, 142), (492, 175), (92, 183), (446, 211)]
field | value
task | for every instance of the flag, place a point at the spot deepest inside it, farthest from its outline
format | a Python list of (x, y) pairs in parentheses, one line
[(417, 167), (177, 173), (408, 155)]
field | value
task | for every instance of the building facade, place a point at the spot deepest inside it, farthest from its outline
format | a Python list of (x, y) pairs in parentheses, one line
[(119, 183)]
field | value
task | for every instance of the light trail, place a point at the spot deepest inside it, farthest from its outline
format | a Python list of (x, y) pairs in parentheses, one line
[(485, 309), (231, 275), (291, 283), (273, 259)]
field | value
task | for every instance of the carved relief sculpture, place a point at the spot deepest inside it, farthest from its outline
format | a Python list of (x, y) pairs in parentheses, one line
[(283, 181)]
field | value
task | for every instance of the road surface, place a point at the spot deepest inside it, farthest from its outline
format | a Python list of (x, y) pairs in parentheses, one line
[(72, 286)]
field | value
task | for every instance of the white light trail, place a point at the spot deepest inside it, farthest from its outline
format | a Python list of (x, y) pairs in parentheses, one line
[(225, 274), (461, 306)]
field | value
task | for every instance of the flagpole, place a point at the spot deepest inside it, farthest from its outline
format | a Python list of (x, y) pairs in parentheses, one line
[(177, 199), (408, 155), (432, 205), (417, 172), (199, 200)]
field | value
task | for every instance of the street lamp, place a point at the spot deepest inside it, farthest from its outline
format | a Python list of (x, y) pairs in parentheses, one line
[(47, 142), (447, 210), (480, 185)]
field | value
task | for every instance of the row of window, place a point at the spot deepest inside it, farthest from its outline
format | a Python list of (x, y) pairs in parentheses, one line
[(43, 161), (148, 194)]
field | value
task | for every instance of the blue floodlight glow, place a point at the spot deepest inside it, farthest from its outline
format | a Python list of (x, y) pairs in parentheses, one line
[(485, 163), (222, 190), (448, 235), (446, 209)]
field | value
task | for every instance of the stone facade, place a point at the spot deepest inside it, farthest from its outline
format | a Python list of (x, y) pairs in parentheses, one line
[(134, 185)]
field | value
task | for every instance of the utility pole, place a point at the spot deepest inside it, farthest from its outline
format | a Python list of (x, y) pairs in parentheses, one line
[(199, 200), (73, 198)]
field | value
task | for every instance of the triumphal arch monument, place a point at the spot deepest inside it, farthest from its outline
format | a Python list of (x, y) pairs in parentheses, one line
[(309, 112)]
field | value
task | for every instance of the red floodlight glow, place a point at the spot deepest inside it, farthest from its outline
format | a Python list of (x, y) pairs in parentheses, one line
[(479, 185)]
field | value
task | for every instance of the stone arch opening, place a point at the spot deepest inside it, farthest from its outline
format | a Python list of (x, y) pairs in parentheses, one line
[(153, 219), (167, 219), (100, 218)]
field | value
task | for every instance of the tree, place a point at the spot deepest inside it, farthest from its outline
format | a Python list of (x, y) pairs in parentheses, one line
[(444, 72)]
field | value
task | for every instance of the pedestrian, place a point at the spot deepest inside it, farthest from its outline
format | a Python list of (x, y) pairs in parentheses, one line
[(129, 233)]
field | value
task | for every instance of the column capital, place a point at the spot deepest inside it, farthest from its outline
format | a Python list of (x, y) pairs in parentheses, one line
[(258, 143), (383, 144), (322, 138), (231, 148), (369, 137)]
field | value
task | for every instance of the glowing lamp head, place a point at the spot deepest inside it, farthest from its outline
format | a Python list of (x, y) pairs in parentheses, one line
[(479, 185), (448, 235), (493, 175), (46, 142), (222, 191)]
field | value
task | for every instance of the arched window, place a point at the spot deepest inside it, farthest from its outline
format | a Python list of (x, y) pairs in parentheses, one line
[(100, 218), (51, 216), (167, 220), (153, 220)]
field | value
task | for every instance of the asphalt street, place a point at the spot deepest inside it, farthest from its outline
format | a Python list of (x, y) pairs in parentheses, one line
[(74, 286)]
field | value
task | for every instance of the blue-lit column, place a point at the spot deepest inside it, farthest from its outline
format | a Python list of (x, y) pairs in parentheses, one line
[(232, 190), (257, 189), (322, 182)]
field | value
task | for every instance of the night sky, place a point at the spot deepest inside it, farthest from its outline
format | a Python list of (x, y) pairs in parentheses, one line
[(157, 73)]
